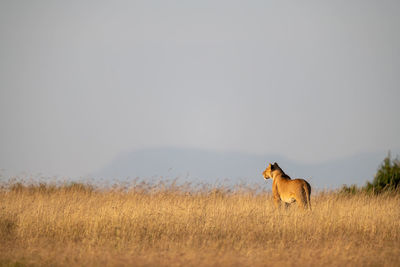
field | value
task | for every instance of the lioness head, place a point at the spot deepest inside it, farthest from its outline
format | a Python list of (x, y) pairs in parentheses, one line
[(268, 171)]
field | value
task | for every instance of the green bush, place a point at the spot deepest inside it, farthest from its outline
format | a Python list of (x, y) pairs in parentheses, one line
[(387, 178)]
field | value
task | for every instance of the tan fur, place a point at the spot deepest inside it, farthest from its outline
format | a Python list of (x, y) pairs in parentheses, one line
[(286, 190)]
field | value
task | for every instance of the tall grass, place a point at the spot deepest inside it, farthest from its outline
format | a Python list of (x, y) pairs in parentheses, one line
[(147, 225)]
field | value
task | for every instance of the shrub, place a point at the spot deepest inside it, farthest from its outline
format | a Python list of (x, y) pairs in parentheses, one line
[(387, 177)]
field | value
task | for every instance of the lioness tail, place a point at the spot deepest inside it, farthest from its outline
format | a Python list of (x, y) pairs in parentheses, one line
[(307, 188)]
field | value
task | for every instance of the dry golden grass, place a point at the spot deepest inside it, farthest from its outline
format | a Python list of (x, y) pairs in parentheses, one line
[(77, 225)]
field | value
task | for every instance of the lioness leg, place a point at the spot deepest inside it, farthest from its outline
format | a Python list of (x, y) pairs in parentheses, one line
[(277, 202), (302, 204), (303, 201)]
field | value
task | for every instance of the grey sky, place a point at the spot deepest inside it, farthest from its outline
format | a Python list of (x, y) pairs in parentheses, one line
[(82, 81)]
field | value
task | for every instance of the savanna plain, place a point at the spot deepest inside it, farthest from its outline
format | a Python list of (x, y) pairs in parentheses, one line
[(160, 225)]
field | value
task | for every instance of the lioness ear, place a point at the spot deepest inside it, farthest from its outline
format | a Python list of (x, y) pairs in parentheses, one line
[(272, 167)]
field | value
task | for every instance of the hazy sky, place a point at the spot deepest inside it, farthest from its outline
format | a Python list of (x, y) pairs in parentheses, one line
[(82, 81)]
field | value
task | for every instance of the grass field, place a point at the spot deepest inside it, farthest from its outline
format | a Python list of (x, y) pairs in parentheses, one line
[(173, 226)]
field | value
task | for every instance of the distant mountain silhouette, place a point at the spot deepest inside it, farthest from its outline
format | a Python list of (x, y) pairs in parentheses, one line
[(202, 166)]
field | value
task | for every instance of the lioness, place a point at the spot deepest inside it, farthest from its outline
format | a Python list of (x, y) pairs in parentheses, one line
[(287, 190)]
